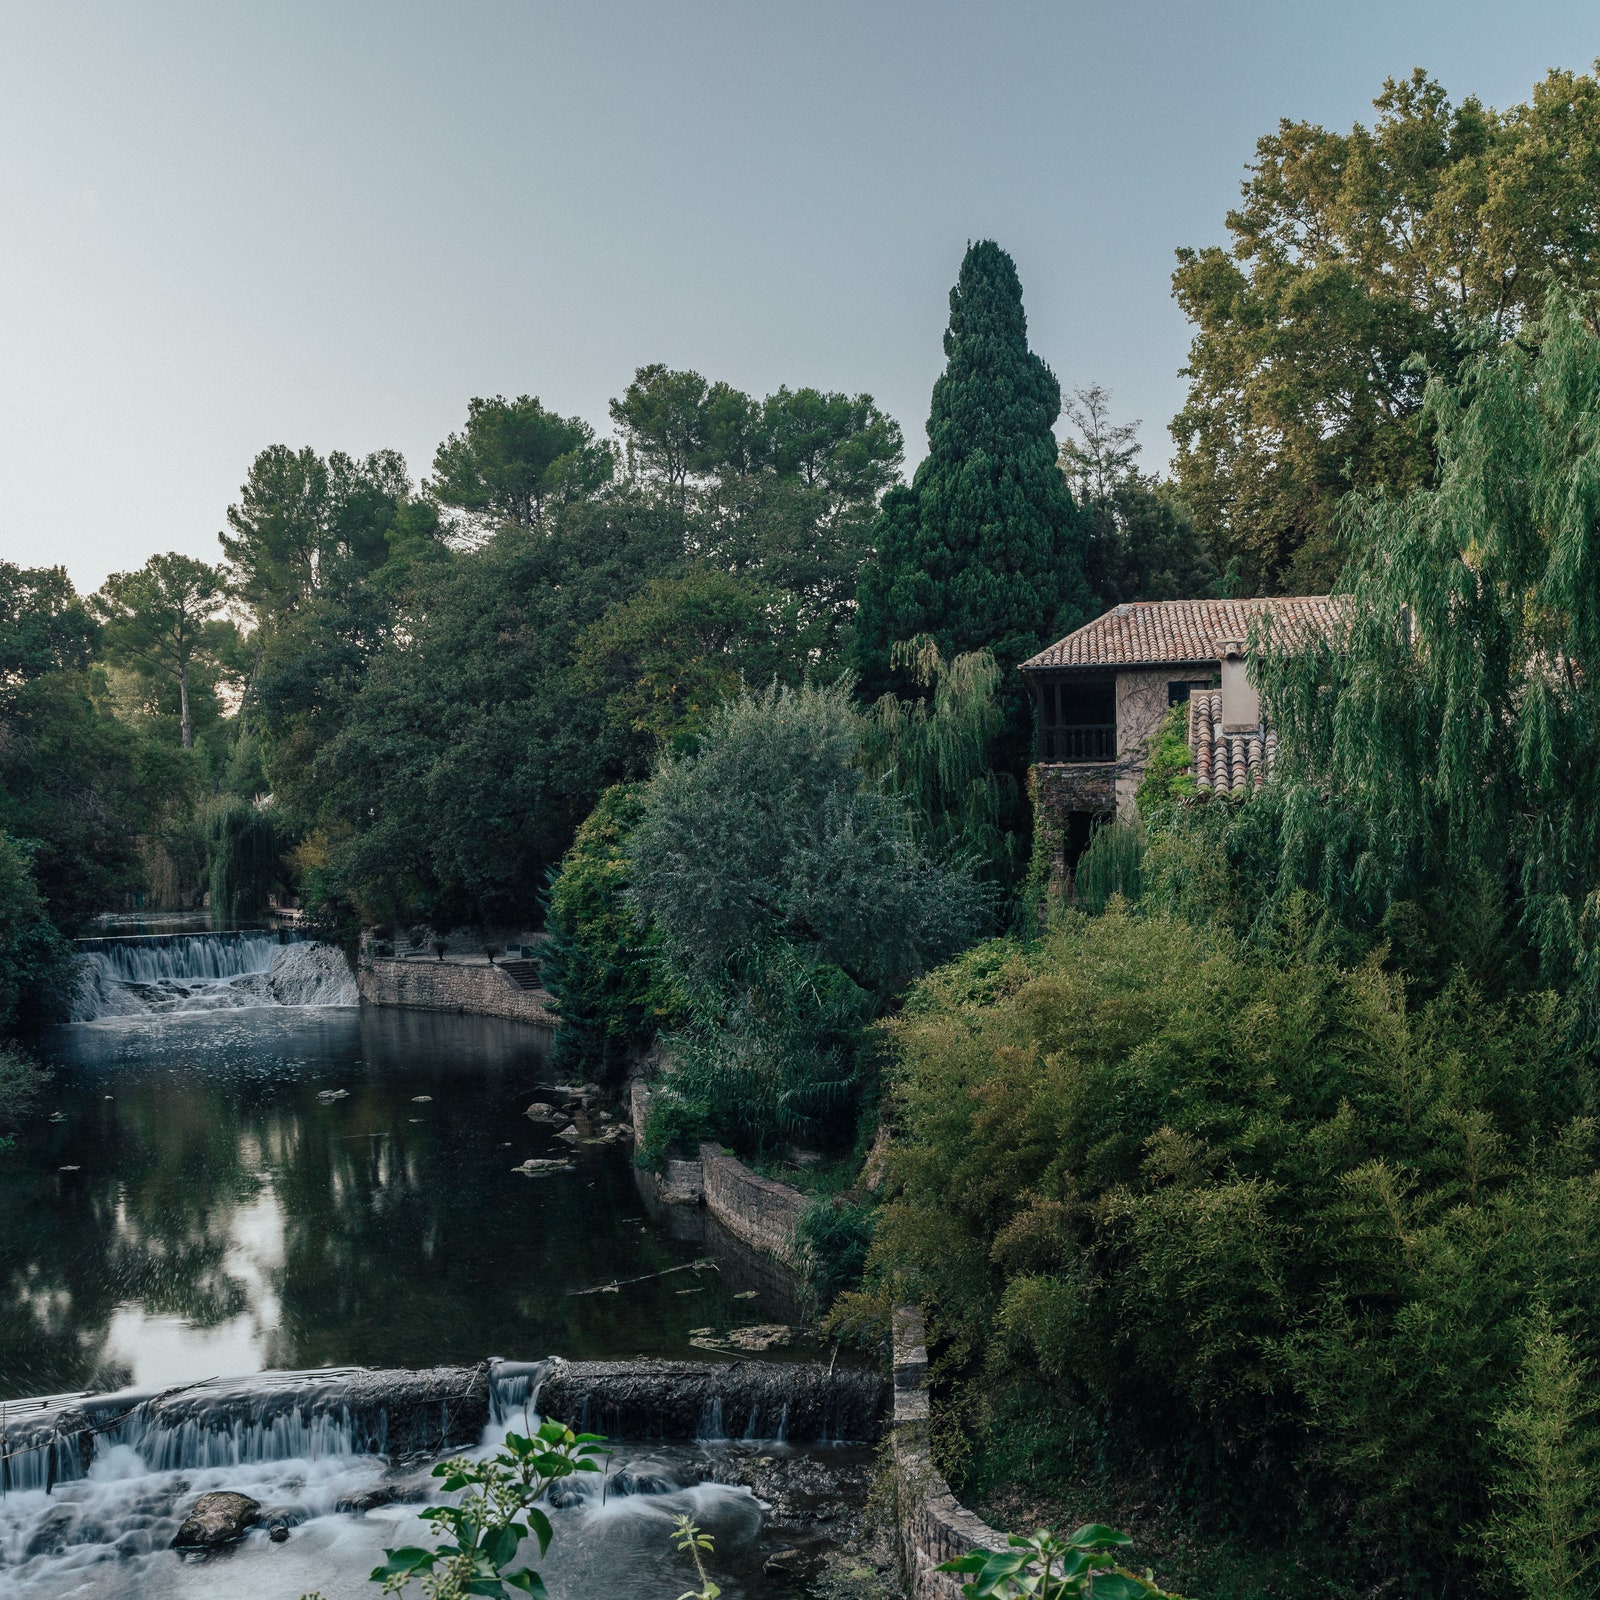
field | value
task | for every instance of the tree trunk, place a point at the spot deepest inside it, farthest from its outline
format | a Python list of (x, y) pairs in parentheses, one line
[(183, 701)]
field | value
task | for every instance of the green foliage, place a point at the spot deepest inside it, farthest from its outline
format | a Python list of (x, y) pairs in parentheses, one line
[(597, 961), (1084, 1564), (1167, 778), (164, 618), (22, 1082), (44, 627), (1450, 732), (513, 456), (242, 859), (791, 902), (665, 659), (934, 753), (688, 1538), (35, 961), (985, 550), (1546, 1520), (1352, 255), (832, 1236), (304, 526), (1247, 1221), (1112, 865), (481, 1532), (1142, 543)]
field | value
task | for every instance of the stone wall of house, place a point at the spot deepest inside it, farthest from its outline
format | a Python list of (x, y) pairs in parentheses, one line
[(932, 1525), (758, 1210), (473, 987)]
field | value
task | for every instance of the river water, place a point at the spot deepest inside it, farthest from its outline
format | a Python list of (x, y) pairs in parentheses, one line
[(219, 1190)]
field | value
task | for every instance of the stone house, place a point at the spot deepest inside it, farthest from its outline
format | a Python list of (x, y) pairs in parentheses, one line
[(1102, 691)]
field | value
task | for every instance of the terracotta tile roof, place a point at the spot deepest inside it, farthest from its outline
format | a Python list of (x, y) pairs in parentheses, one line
[(1227, 763), (1180, 632)]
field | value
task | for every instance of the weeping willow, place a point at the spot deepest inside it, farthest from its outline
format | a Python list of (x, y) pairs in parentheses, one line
[(1452, 729), (934, 753), (242, 859)]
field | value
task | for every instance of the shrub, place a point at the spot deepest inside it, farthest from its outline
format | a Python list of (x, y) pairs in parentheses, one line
[(832, 1237), (597, 962), (1112, 865), (35, 961), (790, 903), (1282, 1229)]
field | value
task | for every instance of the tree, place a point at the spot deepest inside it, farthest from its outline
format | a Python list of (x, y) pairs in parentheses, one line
[(160, 618), (513, 456), (984, 551), (1450, 731), (664, 660), (1142, 542), (664, 422), (303, 525), (1353, 255), (44, 626), (34, 958)]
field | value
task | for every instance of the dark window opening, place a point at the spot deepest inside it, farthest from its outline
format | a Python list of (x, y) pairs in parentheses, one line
[(1077, 721), (1080, 829)]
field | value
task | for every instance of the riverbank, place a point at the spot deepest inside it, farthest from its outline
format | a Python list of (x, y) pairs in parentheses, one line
[(471, 986)]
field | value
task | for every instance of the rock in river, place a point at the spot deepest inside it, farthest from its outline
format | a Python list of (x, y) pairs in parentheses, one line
[(215, 1519)]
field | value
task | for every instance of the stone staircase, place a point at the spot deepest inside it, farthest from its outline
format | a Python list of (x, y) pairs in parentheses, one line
[(522, 971)]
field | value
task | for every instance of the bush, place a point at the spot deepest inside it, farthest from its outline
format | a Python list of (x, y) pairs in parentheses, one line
[(832, 1237), (35, 961), (22, 1081), (1248, 1221), (597, 962), (1112, 865), (790, 903)]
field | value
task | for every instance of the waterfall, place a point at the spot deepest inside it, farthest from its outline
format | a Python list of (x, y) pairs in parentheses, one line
[(175, 973)]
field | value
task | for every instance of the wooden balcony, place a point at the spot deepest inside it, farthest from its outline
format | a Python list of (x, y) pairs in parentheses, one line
[(1084, 743)]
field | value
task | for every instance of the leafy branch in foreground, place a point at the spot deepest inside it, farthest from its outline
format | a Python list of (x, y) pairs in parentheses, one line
[(687, 1536), (499, 1511), (1047, 1568)]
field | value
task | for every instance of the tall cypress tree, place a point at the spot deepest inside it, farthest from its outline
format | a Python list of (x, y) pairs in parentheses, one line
[(985, 549)]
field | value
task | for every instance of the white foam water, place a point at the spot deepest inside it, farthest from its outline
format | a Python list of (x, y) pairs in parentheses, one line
[(185, 974), (108, 1535)]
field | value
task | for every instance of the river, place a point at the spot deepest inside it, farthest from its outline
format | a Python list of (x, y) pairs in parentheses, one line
[(226, 1184)]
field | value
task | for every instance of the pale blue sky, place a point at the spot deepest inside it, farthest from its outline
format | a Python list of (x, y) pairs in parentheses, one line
[(225, 225)]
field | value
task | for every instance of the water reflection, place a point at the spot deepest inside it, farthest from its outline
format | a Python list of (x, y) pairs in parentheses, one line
[(199, 1211)]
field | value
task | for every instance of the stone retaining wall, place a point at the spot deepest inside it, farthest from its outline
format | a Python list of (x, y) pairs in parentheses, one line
[(480, 989), (933, 1526), (758, 1210)]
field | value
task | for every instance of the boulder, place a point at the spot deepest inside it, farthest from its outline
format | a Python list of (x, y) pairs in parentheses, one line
[(541, 1111), (216, 1519), (569, 1133)]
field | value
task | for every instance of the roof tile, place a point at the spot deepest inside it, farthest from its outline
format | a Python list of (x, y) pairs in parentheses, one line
[(1180, 632)]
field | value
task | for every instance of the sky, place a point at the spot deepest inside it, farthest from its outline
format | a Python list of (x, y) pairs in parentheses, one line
[(229, 225)]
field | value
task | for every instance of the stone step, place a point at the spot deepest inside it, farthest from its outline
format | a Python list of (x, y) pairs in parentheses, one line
[(523, 973)]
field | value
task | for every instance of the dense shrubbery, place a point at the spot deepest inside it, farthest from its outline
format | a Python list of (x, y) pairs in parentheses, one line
[(598, 964), (1248, 1220), (790, 902)]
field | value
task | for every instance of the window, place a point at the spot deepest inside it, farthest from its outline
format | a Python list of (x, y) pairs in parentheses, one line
[(1077, 720)]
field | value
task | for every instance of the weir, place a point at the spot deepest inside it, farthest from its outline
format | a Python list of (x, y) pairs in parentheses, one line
[(170, 973), (281, 1416)]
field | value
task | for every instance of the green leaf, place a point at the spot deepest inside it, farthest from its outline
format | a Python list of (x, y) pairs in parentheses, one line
[(1093, 1534), (408, 1559), (529, 1582), (540, 1525), (499, 1547)]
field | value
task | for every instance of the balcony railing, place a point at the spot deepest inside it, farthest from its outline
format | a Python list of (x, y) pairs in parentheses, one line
[(1094, 741)]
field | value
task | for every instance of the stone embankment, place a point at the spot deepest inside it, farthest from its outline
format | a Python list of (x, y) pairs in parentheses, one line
[(933, 1526), (474, 987), (758, 1211)]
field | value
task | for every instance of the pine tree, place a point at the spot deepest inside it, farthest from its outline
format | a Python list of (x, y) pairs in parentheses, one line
[(985, 550)]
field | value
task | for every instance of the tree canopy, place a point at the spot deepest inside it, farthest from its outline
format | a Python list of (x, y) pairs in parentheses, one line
[(984, 550), (1352, 256)]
